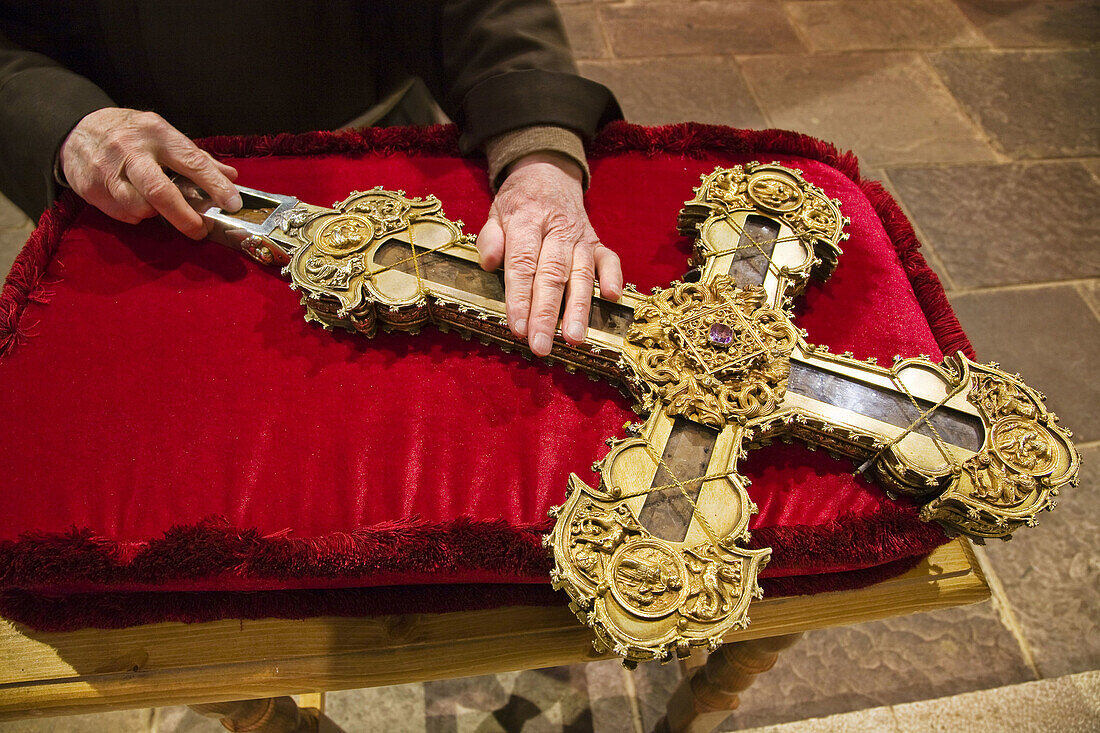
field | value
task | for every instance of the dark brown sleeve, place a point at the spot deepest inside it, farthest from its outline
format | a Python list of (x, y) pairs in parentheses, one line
[(507, 65), (40, 103)]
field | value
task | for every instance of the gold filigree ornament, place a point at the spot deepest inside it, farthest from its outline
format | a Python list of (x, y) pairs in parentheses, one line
[(653, 557), (647, 596), (712, 351), (1025, 458)]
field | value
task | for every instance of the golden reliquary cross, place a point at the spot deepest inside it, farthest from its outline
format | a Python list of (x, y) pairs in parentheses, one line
[(653, 557)]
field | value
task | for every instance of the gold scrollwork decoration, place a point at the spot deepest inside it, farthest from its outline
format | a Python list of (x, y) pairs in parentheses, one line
[(388, 214), (333, 273), (1027, 456), (779, 192), (646, 597), (713, 352), (335, 256), (715, 584)]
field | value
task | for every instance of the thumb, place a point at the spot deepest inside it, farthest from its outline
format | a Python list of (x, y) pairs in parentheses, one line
[(490, 243)]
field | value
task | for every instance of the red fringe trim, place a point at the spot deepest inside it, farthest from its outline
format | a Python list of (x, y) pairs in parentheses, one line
[(893, 531), (121, 610), (27, 279), (439, 140), (74, 611), (214, 547), (893, 540), (808, 585)]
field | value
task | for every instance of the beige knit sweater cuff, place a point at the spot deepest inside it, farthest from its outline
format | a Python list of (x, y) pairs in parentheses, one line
[(507, 148)]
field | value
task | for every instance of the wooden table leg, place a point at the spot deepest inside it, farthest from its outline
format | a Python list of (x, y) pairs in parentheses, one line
[(268, 715), (707, 697)]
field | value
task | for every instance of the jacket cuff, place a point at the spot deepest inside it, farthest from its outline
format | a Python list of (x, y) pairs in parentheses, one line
[(43, 105), (518, 99), (507, 148)]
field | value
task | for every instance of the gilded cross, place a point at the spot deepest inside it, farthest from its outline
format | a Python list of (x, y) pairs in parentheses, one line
[(653, 557)]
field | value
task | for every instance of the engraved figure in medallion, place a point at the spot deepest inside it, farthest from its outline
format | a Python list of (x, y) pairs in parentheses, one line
[(648, 578), (1023, 445), (346, 234), (774, 192)]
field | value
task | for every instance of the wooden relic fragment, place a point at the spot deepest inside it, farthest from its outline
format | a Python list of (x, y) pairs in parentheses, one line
[(653, 557)]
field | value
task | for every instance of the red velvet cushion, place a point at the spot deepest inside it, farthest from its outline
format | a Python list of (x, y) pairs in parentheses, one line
[(172, 424)]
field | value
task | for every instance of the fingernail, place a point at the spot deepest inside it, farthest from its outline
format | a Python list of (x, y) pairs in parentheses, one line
[(540, 344), (521, 326), (235, 202), (575, 331)]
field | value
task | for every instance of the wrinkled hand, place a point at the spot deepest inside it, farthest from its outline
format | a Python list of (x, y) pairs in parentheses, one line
[(113, 159), (539, 229)]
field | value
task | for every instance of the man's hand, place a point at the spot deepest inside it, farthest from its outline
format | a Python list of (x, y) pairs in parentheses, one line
[(539, 229), (113, 159)]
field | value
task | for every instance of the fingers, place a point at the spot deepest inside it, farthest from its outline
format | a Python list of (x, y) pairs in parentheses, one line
[(578, 296), (129, 208), (155, 187), (549, 251), (609, 272), (112, 158), (521, 259), (116, 198), (183, 156), (554, 272), (132, 206), (490, 244), (227, 170)]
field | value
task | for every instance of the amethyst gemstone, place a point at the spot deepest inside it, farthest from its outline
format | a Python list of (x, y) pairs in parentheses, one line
[(720, 334)]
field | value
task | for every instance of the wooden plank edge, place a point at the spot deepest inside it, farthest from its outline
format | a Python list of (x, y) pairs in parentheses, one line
[(534, 648), (37, 657)]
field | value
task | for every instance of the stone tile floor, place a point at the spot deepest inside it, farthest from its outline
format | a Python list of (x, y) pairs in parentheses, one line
[(983, 116)]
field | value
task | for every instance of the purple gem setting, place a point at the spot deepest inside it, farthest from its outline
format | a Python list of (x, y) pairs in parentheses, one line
[(720, 334)]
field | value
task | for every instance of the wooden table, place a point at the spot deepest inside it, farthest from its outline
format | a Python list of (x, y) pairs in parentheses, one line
[(95, 670)]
